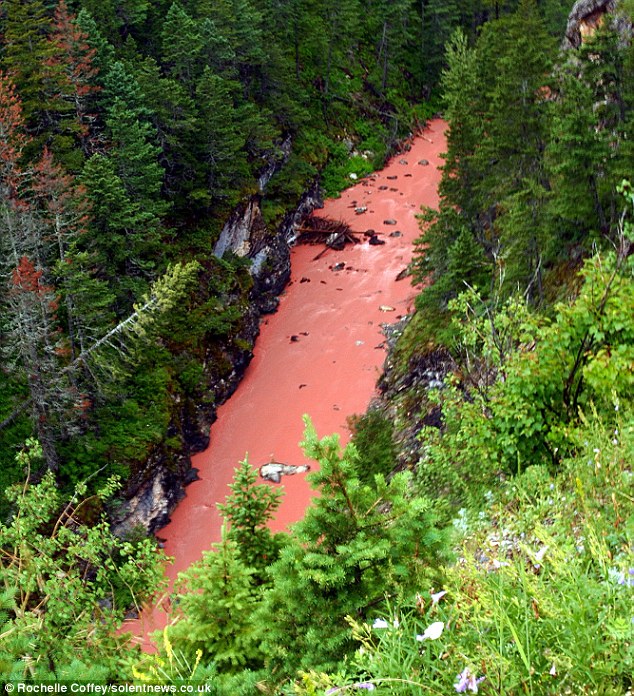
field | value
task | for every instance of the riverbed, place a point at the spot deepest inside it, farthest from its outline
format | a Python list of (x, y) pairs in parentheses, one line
[(319, 354)]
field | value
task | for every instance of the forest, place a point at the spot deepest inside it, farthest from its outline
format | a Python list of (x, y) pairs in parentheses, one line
[(477, 537)]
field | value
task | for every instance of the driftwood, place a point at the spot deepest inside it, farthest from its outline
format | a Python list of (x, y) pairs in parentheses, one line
[(335, 234)]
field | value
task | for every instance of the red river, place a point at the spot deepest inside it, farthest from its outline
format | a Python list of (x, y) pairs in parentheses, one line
[(329, 368)]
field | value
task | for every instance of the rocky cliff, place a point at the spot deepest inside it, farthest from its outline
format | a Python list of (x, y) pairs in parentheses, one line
[(153, 491)]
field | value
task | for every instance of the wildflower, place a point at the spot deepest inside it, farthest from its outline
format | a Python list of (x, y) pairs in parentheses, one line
[(432, 632), (553, 670), (380, 623), (625, 580), (467, 682), (539, 556), (437, 596), (396, 623)]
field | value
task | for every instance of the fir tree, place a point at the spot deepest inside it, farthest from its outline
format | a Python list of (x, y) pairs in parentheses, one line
[(216, 604), (248, 510), (356, 544)]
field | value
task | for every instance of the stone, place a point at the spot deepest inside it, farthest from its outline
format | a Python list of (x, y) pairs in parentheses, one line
[(423, 162), (375, 241), (390, 221), (273, 471)]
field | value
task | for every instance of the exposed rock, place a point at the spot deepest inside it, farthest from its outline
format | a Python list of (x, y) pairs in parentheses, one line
[(155, 489), (423, 162), (587, 16), (273, 471), (390, 221), (376, 241)]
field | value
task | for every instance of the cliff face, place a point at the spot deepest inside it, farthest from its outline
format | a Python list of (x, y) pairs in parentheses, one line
[(153, 491), (587, 16)]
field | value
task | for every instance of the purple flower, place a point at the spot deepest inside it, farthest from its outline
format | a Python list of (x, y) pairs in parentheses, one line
[(466, 681)]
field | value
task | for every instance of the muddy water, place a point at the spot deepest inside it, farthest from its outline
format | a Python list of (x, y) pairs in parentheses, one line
[(319, 354)]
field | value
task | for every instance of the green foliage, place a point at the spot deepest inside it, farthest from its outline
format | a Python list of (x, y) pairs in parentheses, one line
[(541, 600), (48, 555), (372, 435), (248, 509), (357, 543), (216, 602)]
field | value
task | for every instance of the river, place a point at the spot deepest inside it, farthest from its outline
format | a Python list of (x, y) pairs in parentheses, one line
[(320, 353)]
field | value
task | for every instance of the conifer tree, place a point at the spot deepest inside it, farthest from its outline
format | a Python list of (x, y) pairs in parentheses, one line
[(27, 56), (182, 44), (248, 510), (357, 543), (75, 61), (216, 603)]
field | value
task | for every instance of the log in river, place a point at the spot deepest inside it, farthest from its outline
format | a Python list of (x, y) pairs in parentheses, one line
[(319, 354)]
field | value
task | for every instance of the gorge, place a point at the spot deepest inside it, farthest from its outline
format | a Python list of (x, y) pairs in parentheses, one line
[(319, 354)]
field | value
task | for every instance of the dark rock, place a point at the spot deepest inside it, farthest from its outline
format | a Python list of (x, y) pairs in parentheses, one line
[(304, 279), (390, 221), (396, 233), (423, 162), (402, 161), (375, 241), (384, 188), (392, 178), (369, 233), (338, 266), (191, 476), (294, 338), (156, 487)]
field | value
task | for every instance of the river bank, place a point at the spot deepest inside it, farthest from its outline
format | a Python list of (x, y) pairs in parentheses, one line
[(321, 353)]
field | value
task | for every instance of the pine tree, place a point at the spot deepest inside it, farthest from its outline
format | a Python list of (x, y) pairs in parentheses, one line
[(248, 510), (122, 235), (182, 44), (27, 58), (75, 61), (356, 544), (221, 137), (216, 604)]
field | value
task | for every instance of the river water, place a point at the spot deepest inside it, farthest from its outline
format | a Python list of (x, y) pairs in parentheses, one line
[(319, 354)]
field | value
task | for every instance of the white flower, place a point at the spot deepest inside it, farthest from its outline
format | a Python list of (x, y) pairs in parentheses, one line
[(396, 623), (436, 597), (380, 623), (432, 632), (539, 556), (553, 670)]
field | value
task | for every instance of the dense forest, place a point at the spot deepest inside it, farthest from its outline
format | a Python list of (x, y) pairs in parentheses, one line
[(477, 537)]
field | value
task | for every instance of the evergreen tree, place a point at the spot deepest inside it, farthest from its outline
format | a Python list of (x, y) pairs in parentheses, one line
[(27, 56), (221, 137), (356, 544), (216, 604), (74, 59), (182, 44), (122, 235), (248, 510)]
